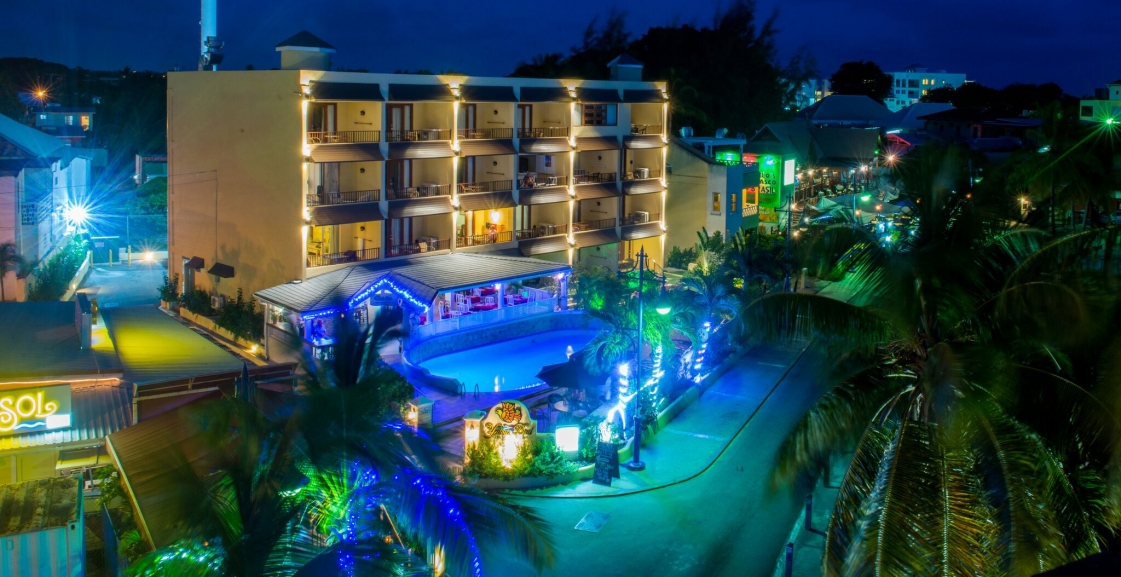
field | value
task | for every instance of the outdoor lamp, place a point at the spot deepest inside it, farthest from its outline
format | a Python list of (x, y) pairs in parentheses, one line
[(568, 438), (663, 305)]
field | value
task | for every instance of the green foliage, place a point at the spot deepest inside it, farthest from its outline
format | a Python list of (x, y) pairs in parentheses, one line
[(589, 436), (597, 288), (681, 258), (10, 260), (130, 545), (541, 458), (169, 290), (53, 278), (241, 317), (197, 301), (151, 198)]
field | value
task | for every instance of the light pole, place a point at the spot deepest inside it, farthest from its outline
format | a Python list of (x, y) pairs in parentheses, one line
[(663, 308)]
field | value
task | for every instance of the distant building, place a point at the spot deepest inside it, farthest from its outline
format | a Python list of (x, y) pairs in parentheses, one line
[(915, 82), (1106, 104), (906, 129), (149, 166), (965, 125), (845, 110), (70, 125), (812, 91), (720, 147), (708, 192)]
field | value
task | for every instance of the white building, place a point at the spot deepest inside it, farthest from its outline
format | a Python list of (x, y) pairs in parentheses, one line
[(1105, 105), (812, 91), (914, 83)]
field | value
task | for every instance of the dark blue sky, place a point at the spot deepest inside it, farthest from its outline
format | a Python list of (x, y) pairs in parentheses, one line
[(992, 41)]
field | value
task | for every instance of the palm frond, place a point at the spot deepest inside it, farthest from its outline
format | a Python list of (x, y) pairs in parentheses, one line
[(859, 480), (789, 316), (968, 536)]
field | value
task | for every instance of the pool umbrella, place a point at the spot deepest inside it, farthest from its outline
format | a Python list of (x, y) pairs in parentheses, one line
[(243, 385), (570, 375)]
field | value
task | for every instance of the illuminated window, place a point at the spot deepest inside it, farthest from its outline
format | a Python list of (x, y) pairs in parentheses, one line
[(924, 82), (716, 203), (600, 115), (924, 92), (732, 203), (85, 122), (69, 120)]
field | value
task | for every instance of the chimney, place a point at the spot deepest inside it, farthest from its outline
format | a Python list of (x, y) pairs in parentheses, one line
[(305, 51), (626, 68)]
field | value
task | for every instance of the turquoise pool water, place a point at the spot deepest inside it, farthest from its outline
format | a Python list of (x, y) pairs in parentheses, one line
[(509, 365)]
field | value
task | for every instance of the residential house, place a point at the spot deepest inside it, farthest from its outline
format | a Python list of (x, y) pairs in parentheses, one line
[(965, 125), (845, 110), (916, 81), (149, 166), (905, 128), (68, 124), (1105, 105)]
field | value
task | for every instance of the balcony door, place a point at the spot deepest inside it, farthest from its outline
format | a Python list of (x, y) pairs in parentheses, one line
[(321, 117), (398, 174), (466, 170), (466, 119), (399, 119), (525, 116), (398, 232), (323, 178)]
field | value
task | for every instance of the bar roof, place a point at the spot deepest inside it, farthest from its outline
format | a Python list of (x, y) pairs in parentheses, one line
[(154, 347), (40, 339), (95, 412), (422, 276)]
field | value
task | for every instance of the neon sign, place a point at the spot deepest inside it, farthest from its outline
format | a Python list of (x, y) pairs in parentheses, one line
[(32, 410)]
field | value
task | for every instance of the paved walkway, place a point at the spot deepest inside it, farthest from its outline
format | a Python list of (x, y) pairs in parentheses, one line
[(123, 285)]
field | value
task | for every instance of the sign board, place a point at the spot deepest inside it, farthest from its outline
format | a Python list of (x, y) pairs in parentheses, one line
[(769, 188), (509, 417), (34, 409), (607, 464)]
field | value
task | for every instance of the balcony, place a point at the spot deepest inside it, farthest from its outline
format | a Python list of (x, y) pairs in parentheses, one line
[(485, 133), (582, 177), (535, 180), (418, 135), (419, 191), (544, 132), (419, 247), (314, 260), (350, 197), (486, 238), (639, 217), (642, 174), (646, 129), (486, 186), (542, 230), (343, 137), (593, 224)]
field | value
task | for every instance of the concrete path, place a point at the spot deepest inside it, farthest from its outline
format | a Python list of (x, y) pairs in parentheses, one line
[(122, 285)]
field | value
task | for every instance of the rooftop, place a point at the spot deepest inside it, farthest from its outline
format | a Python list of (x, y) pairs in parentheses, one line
[(95, 412), (910, 118), (38, 505), (845, 108), (40, 341), (304, 39), (153, 347), (34, 143)]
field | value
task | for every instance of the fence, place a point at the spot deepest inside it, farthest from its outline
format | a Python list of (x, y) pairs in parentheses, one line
[(506, 313)]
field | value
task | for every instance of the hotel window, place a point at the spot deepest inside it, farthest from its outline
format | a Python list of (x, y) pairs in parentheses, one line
[(69, 120), (600, 115), (716, 203)]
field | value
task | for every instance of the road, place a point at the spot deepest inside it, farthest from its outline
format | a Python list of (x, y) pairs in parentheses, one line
[(122, 285), (725, 521)]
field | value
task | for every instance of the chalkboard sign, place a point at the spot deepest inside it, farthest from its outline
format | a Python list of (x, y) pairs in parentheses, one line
[(607, 464)]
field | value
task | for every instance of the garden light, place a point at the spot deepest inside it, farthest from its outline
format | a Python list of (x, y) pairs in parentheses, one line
[(568, 438)]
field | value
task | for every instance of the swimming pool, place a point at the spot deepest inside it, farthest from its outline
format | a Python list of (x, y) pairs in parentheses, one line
[(509, 365)]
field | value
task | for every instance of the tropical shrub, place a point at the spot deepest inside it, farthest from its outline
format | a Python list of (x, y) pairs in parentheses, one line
[(541, 458), (53, 278), (169, 290), (241, 318), (198, 302), (679, 258)]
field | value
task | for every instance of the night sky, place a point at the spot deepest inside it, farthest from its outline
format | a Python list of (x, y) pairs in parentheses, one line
[(993, 41)]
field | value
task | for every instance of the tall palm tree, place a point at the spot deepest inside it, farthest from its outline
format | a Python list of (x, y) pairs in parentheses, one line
[(958, 465), (10, 260)]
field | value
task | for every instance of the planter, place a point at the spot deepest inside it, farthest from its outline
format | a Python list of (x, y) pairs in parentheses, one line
[(209, 324), (171, 307)]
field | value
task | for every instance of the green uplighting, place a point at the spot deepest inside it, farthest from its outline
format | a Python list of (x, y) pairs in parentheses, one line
[(865, 198), (1109, 121)]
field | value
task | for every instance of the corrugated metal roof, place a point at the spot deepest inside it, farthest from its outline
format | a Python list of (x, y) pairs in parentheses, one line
[(597, 143), (598, 95), (347, 152), (596, 237), (40, 339), (420, 207), (346, 213), (95, 412), (346, 91), (598, 190), (647, 96), (424, 276), (643, 141), (34, 143), (644, 230), (486, 200), (38, 505), (543, 195), (645, 186), (487, 93), (543, 94), (420, 92), (154, 347), (544, 245), (544, 145), (431, 149), (486, 147)]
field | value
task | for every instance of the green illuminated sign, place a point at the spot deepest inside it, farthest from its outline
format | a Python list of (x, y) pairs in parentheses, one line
[(769, 189)]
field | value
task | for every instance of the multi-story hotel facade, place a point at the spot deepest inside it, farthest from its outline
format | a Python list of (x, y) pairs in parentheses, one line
[(282, 175)]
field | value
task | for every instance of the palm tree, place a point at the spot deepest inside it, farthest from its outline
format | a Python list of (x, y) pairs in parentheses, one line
[(332, 486), (10, 260), (967, 331)]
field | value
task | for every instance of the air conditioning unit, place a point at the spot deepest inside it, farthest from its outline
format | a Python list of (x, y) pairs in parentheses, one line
[(217, 301), (546, 229), (640, 216)]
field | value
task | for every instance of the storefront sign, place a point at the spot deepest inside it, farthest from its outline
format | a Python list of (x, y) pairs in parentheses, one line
[(607, 464), (769, 188), (32, 410)]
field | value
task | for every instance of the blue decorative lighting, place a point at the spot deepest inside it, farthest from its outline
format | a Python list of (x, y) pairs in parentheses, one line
[(386, 282)]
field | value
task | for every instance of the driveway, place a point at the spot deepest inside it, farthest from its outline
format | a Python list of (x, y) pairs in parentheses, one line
[(121, 285)]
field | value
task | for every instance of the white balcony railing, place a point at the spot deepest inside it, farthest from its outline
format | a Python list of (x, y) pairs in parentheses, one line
[(473, 320)]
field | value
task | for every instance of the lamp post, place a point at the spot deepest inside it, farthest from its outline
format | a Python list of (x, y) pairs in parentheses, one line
[(663, 308)]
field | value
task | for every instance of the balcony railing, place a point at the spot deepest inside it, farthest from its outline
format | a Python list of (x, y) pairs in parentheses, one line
[(646, 129), (485, 238), (544, 132), (593, 224), (642, 174), (540, 230), (465, 321), (633, 218), (486, 186), (314, 260), (350, 197), (419, 134), (419, 247), (594, 177), (343, 137), (485, 133), (534, 180), (419, 191)]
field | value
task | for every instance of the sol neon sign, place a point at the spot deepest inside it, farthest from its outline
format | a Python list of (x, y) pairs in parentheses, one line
[(31, 410)]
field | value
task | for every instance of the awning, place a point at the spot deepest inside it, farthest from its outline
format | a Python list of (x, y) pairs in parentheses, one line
[(222, 270), (597, 143), (430, 149), (488, 93), (544, 145), (597, 190), (346, 152), (596, 237), (196, 262), (346, 91), (646, 186), (544, 245), (420, 92), (543, 195), (346, 213), (486, 147), (420, 207), (558, 94), (651, 96), (598, 95), (486, 200), (643, 230), (643, 141)]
